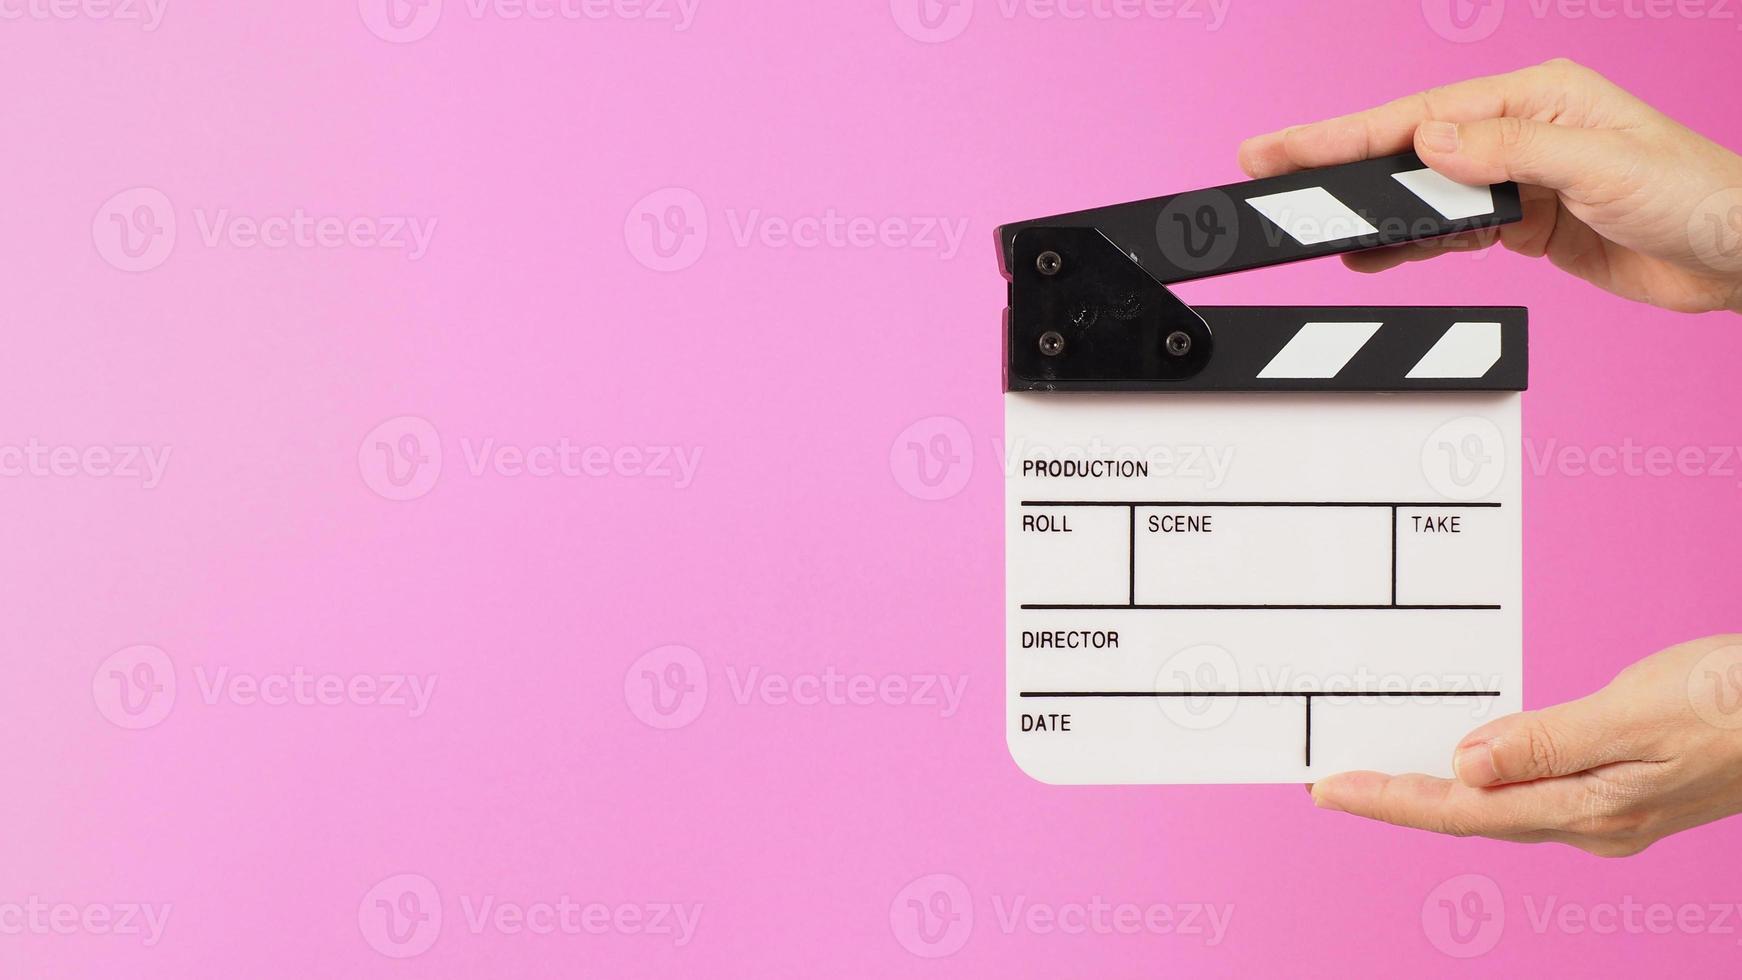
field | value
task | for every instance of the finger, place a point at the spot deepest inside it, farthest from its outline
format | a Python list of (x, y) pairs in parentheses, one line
[(1377, 259), (1583, 162), (1532, 811), (1390, 128), (1380, 259), (1559, 741)]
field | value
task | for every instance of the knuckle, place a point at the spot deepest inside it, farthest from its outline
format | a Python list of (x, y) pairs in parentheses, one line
[(1538, 754), (1618, 848), (1477, 819), (1460, 825), (1566, 71), (1294, 140), (1632, 672), (1430, 99), (1514, 133), (1613, 809), (1609, 824)]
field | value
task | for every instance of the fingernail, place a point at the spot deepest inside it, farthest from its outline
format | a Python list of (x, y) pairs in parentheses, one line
[(1324, 802), (1474, 764), (1439, 136)]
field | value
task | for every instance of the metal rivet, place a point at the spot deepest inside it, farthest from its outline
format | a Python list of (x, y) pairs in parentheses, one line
[(1179, 343), (1049, 263), (1052, 343)]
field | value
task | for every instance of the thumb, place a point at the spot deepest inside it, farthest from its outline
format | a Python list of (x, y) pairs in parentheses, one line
[(1563, 158), (1557, 741)]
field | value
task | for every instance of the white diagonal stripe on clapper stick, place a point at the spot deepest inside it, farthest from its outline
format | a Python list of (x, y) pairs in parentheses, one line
[(1319, 350), (1467, 350)]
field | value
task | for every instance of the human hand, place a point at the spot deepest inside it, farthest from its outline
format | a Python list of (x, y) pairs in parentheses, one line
[(1657, 751), (1614, 191)]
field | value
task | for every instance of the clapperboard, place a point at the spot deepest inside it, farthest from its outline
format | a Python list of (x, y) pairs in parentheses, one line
[(1256, 544)]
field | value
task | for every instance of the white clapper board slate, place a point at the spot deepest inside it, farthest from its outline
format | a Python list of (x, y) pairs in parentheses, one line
[(1256, 544)]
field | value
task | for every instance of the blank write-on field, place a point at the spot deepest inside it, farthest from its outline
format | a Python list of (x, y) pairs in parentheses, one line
[(1263, 554), (1342, 589)]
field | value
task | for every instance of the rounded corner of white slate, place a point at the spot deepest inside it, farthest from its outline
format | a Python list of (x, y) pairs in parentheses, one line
[(1030, 767)]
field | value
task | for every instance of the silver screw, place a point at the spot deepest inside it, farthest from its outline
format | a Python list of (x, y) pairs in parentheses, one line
[(1179, 343), (1049, 263), (1052, 343)]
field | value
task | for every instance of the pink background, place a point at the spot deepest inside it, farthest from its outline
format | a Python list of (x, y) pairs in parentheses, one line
[(534, 316)]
